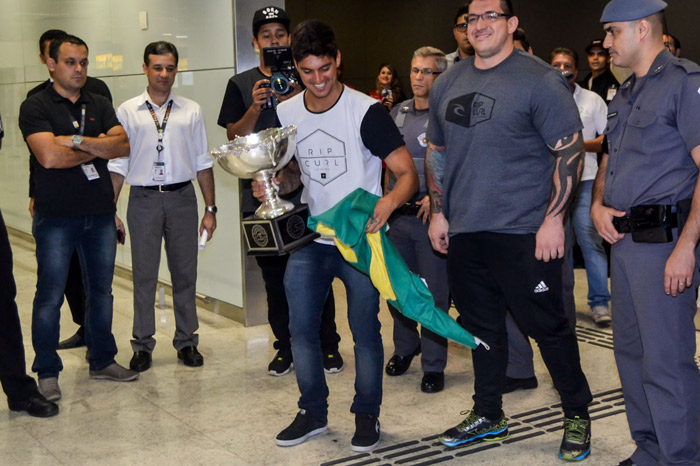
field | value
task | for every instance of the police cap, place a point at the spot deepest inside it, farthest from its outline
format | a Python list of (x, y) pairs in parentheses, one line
[(630, 10)]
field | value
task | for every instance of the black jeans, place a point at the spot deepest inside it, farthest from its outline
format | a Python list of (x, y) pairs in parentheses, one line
[(13, 373), (486, 268), (273, 268)]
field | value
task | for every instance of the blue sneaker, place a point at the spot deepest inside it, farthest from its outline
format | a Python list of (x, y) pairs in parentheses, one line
[(475, 427), (576, 444)]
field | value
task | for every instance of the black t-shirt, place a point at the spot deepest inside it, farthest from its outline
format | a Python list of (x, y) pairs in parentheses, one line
[(68, 192), (237, 100), (94, 85)]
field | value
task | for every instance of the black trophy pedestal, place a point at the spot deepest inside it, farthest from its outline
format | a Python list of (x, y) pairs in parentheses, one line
[(277, 236)]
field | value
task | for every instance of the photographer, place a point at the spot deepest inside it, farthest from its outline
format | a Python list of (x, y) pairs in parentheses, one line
[(249, 106)]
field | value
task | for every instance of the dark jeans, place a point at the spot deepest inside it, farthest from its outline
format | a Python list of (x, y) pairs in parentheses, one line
[(16, 384), (486, 268), (273, 268), (310, 273), (95, 239)]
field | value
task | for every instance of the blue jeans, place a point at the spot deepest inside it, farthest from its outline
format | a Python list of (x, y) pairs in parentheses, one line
[(95, 239), (307, 281), (591, 246)]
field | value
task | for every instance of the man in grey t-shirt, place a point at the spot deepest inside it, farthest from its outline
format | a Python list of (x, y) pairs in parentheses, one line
[(504, 158)]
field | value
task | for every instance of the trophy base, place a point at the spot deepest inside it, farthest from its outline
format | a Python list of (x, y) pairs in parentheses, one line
[(280, 235)]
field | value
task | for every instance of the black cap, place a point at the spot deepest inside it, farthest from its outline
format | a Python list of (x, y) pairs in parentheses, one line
[(269, 14), (596, 43)]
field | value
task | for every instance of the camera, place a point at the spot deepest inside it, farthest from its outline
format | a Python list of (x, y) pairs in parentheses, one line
[(272, 100), (280, 61)]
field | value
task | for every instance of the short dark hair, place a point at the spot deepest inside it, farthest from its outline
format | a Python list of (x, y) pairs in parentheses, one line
[(313, 37), (463, 10), (676, 42), (564, 51), (519, 35), (69, 39), (506, 6), (50, 36), (160, 48)]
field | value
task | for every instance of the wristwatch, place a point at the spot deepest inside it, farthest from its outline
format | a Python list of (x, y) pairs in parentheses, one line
[(212, 209), (77, 139)]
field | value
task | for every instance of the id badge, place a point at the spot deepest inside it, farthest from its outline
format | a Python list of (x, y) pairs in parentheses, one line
[(611, 94), (90, 171), (159, 171)]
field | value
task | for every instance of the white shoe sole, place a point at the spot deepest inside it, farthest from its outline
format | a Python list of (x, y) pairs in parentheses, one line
[(335, 370), (297, 441), (280, 374), (364, 449)]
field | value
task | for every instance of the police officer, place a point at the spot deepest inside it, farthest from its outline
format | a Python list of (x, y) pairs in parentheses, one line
[(652, 161), (409, 231)]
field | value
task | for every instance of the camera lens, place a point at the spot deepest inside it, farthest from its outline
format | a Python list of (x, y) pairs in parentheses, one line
[(280, 85)]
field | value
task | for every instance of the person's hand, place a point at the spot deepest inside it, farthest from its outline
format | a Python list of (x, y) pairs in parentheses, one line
[(209, 224), (388, 102), (259, 189), (424, 211), (382, 212), (121, 231), (31, 207), (678, 274), (437, 232), (602, 217), (296, 89), (261, 94), (549, 241)]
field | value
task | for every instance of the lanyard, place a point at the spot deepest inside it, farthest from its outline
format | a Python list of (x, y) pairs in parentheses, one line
[(81, 128), (160, 126)]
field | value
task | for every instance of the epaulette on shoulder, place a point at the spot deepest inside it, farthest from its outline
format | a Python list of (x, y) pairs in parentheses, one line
[(690, 67)]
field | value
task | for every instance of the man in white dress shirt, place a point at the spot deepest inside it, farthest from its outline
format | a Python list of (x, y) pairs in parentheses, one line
[(168, 151)]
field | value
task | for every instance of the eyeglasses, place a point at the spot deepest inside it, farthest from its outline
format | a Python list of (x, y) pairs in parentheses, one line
[(488, 17), (425, 71), (461, 27)]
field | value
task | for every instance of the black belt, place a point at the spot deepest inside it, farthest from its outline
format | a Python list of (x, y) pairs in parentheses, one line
[(645, 217), (167, 187), (409, 208)]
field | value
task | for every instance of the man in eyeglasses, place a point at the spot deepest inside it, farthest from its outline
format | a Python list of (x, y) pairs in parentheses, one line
[(409, 231), (503, 161), (459, 29)]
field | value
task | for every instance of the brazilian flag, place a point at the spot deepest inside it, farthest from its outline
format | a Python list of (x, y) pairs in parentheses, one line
[(373, 255)]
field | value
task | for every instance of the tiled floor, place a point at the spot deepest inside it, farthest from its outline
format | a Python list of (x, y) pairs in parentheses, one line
[(229, 411)]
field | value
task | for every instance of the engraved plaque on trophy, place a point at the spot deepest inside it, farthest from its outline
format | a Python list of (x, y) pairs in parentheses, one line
[(278, 226)]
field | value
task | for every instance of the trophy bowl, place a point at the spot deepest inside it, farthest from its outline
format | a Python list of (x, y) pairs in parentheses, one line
[(259, 156)]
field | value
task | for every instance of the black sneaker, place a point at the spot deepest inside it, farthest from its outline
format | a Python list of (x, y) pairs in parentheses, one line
[(332, 362), (282, 363), (303, 427), (576, 444), (366, 436), (475, 427)]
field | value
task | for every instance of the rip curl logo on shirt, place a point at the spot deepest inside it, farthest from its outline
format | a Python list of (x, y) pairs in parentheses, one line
[(271, 13), (322, 157), (422, 140), (470, 110)]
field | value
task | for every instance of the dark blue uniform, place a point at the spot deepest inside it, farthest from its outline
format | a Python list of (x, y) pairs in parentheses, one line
[(653, 124)]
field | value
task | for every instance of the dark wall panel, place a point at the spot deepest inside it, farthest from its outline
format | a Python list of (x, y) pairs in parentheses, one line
[(370, 33)]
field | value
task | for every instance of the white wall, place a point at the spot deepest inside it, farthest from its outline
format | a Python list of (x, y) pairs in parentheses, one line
[(202, 30)]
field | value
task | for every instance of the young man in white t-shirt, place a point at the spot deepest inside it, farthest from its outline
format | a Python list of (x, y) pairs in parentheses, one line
[(342, 138)]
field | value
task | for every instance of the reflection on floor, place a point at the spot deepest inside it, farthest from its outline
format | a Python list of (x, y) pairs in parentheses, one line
[(229, 411)]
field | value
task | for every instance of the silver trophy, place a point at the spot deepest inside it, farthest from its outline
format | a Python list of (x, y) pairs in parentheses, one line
[(278, 226)]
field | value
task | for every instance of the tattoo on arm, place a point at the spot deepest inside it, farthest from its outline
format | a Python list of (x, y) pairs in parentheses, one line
[(434, 176), (568, 152)]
